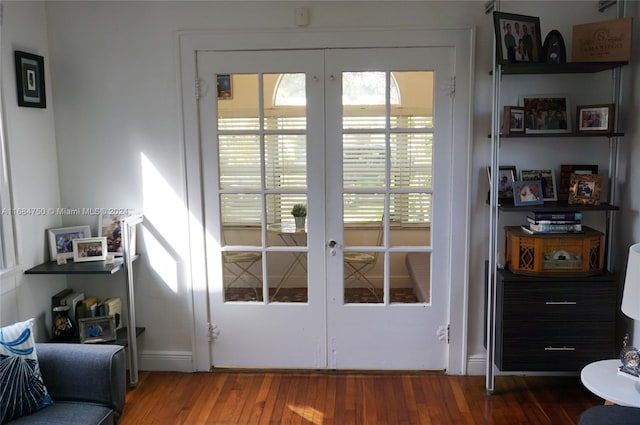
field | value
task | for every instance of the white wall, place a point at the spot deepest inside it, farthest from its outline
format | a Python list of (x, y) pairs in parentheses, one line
[(113, 69), (32, 158)]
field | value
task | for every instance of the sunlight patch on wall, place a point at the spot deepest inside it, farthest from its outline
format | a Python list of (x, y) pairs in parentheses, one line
[(164, 237)]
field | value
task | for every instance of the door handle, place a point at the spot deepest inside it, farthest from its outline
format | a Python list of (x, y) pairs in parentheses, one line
[(332, 244)]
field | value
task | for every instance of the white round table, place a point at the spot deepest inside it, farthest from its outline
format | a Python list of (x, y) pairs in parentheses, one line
[(602, 379)]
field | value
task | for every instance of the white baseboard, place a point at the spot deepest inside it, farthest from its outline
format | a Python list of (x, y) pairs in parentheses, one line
[(476, 365), (165, 361)]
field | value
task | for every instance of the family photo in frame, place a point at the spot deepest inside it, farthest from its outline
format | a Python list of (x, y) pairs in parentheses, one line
[(595, 118), (546, 113), (517, 38)]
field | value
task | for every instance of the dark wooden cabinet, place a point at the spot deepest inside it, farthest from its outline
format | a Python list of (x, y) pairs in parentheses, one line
[(554, 324)]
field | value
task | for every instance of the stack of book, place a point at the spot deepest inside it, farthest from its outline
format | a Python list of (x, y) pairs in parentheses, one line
[(554, 222)]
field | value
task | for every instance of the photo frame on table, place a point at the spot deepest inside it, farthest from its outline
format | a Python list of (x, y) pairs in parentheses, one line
[(506, 177), (527, 192), (553, 48), (513, 120), (546, 113), (565, 177), (89, 249), (517, 38), (97, 329), (30, 80), (547, 181), (585, 189), (61, 240), (110, 226), (595, 119), (224, 86)]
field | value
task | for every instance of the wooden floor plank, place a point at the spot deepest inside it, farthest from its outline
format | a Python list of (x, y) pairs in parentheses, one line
[(340, 398)]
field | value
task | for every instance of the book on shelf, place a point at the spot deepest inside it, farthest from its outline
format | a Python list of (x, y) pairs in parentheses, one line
[(552, 228), (57, 298), (555, 215), (72, 301), (533, 221)]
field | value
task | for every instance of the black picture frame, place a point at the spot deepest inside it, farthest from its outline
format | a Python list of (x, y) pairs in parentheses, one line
[(553, 49), (30, 80), (526, 30)]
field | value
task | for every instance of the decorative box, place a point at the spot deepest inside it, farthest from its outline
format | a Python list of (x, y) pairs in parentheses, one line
[(554, 254)]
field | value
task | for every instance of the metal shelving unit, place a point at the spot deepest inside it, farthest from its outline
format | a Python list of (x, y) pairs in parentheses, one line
[(499, 70), (102, 268)]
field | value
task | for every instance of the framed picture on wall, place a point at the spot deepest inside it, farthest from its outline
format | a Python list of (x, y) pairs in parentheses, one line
[(30, 80)]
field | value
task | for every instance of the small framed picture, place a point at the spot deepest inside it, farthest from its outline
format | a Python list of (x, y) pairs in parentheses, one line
[(61, 240), (89, 249), (517, 38), (506, 177), (546, 113), (97, 329), (595, 118), (513, 121), (224, 87), (527, 192), (585, 189), (565, 177), (547, 180), (30, 80), (110, 226)]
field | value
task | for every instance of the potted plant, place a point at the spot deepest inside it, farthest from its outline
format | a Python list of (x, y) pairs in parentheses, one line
[(299, 213)]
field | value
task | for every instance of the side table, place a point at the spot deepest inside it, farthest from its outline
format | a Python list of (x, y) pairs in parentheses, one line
[(602, 379)]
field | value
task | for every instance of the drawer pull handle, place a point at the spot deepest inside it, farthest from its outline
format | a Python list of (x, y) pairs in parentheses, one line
[(561, 303), (560, 349)]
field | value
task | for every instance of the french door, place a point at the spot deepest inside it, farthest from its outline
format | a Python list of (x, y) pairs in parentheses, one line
[(361, 138)]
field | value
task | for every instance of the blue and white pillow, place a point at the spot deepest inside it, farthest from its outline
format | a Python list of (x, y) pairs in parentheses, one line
[(22, 390)]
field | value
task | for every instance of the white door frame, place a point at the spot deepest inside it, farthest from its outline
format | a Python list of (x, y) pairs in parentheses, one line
[(462, 40)]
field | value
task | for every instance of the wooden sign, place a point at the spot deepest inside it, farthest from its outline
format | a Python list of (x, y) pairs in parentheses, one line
[(606, 41)]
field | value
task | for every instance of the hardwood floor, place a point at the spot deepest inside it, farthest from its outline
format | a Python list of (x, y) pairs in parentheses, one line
[(251, 398)]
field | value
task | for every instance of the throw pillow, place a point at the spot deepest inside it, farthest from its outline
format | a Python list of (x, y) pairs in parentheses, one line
[(22, 390)]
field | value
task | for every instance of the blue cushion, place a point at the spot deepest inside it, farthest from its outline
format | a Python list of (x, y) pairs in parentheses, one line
[(22, 390)]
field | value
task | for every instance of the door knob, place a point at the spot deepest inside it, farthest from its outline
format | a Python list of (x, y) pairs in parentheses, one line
[(332, 243)]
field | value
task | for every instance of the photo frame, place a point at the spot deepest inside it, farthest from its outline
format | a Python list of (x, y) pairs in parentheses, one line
[(565, 177), (585, 189), (517, 38), (513, 120), (527, 192), (547, 181), (546, 113), (595, 119), (97, 329), (30, 80), (110, 226), (506, 177), (553, 49), (224, 86), (89, 249), (61, 240)]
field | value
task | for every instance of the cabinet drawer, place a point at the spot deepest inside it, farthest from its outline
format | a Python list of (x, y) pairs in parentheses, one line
[(543, 301), (553, 347)]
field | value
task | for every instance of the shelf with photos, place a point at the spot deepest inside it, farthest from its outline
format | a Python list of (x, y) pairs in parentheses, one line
[(578, 188)]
